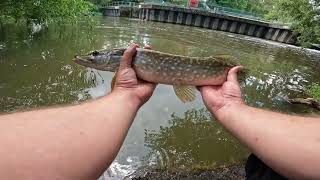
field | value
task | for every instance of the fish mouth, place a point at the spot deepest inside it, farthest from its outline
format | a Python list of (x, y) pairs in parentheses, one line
[(83, 60)]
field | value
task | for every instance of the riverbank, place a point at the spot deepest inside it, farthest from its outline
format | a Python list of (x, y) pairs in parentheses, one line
[(230, 172), (215, 20)]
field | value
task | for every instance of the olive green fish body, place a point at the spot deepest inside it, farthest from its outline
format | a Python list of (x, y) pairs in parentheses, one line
[(153, 66), (180, 70)]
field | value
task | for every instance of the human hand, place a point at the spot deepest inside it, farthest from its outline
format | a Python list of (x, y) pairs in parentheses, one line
[(218, 98), (127, 81)]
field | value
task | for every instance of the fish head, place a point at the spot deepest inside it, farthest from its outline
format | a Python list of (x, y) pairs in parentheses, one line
[(105, 60)]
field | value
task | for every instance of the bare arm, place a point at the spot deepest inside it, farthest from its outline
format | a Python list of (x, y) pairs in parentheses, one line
[(75, 142), (288, 144)]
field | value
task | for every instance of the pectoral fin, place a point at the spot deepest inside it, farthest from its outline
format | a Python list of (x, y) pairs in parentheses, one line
[(185, 93), (113, 81)]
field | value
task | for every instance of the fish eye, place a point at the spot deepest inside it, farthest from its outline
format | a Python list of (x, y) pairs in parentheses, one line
[(95, 53)]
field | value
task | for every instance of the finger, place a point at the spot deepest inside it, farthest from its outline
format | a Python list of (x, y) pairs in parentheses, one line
[(203, 89), (127, 56), (233, 74), (147, 46)]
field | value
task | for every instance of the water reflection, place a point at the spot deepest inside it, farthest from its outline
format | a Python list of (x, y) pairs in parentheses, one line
[(102, 81), (53, 90), (272, 90), (122, 171), (194, 140)]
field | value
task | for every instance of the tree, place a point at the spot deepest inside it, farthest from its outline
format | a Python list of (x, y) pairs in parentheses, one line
[(260, 7), (100, 2), (304, 16), (314, 91), (43, 11)]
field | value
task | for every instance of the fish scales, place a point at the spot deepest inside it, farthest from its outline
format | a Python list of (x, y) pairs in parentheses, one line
[(180, 71)]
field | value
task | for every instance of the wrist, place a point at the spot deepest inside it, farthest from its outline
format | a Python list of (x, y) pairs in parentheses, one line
[(129, 97), (227, 110)]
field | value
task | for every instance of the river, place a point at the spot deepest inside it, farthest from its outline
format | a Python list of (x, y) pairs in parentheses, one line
[(36, 71)]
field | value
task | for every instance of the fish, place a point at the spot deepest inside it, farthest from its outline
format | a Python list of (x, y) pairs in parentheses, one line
[(182, 72)]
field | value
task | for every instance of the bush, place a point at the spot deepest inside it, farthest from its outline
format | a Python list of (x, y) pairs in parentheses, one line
[(43, 11), (314, 91)]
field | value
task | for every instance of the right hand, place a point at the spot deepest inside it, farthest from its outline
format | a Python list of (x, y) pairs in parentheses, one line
[(218, 98)]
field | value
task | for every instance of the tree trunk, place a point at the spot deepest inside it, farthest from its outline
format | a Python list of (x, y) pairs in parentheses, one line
[(308, 101)]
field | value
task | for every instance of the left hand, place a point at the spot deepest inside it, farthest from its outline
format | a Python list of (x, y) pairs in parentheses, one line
[(127, 81)]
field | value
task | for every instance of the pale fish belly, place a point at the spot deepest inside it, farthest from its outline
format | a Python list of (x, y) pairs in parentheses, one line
[(177, 72)]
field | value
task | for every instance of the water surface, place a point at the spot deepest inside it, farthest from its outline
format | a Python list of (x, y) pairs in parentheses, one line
[(36, 70)]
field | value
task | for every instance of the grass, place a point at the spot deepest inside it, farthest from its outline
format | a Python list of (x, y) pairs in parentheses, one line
[(314, 91)]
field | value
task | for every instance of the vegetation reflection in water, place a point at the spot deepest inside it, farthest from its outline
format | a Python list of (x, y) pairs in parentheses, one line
[(189, 140), (36, 70)]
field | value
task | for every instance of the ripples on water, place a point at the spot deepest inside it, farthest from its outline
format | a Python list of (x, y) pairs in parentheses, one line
[(36, 70)]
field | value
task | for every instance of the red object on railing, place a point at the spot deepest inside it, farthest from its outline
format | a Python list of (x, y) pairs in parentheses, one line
[(193, 3)]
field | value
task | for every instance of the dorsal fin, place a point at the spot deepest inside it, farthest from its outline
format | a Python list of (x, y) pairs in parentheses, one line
[(228, 59), (223, 57)]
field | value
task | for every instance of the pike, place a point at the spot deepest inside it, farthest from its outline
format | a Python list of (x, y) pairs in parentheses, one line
[(184, 73)]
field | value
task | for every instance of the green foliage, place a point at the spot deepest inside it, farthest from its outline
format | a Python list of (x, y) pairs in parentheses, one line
[(256, 6), (303, 15), (314, 91), (100, 2), (178, 2), (44, 11), (239, 4)]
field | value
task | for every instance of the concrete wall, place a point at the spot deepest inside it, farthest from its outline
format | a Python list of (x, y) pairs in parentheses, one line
[(135, 12), (121, 11), (111, 11), (209, 20)]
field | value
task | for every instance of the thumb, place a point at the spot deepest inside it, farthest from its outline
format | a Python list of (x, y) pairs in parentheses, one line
[(126, 59), (233, 74)]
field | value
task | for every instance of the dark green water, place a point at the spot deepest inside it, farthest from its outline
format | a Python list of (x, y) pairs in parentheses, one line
[(36, 70)]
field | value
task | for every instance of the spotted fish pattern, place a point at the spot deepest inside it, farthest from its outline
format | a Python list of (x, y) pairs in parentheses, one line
[(183, 72)]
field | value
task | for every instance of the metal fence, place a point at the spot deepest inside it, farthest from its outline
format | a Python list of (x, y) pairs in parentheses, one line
[(120, 3), (183, 3), (202, 5), (233, 11)]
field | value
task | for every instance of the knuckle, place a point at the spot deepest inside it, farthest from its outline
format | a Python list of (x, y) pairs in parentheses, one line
[(126, 53)]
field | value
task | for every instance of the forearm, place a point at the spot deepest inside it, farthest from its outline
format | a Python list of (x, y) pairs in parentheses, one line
[(76, 142), (288, 144)]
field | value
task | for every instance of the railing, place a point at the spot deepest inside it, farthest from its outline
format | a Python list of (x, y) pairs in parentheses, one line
[(119, 3), (202, 5), (165, 3), (232, 11)]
